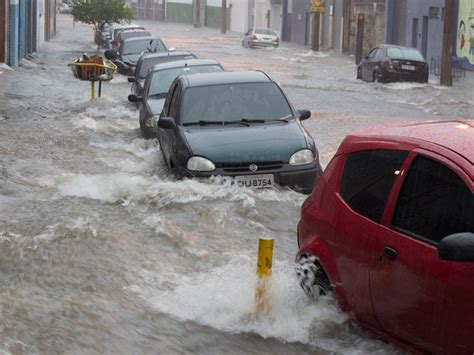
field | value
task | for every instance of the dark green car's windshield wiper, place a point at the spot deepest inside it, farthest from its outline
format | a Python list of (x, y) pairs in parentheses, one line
[(203, 123), (282, 119), (247, 120), (243, 121)]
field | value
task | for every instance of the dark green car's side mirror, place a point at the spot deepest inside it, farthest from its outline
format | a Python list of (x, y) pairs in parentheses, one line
[(166, 123), (303, 114), (134, 98)]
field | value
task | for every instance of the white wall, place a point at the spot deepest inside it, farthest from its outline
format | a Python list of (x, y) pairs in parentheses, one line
[(181, 1), (218, 3), (239, 15), (276, 18), (40, 22), (261, 8)]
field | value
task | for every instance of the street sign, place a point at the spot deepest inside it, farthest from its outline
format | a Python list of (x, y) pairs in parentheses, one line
[(317, 6)]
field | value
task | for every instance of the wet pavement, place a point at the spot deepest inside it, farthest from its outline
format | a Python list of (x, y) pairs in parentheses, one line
[(103, 251)]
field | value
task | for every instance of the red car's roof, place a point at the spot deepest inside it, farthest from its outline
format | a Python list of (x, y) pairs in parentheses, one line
[(455, 135)]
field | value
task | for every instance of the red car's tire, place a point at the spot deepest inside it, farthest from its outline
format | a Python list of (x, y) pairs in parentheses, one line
[(312, 278)]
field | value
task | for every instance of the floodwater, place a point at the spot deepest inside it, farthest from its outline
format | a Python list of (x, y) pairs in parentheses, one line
[(103, 251)]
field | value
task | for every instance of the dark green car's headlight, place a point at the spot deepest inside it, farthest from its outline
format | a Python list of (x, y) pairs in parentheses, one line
[(200, 164), (302, 157)]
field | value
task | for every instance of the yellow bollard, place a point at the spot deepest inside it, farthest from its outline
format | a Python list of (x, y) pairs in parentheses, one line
[(264, 271), (92, 90)]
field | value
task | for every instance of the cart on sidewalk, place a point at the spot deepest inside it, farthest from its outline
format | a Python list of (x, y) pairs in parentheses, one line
[(93, 69)]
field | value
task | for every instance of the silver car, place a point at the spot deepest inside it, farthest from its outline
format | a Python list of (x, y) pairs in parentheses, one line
[(260, 37)]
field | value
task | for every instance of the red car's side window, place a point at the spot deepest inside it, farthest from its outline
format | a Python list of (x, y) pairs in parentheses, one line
[(434, 202), (367, 180)]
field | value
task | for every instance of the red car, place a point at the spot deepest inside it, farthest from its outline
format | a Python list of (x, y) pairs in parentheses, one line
[(389, 230), (129, 33)]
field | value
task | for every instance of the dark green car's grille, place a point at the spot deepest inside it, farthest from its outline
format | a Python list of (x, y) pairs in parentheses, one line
[(245, 167)]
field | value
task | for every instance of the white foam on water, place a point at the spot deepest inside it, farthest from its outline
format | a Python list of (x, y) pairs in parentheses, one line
[(107, 114), (108, 188), (409, 86), (139, 155), (132, 187), (139, 147), (224, 299), (119, 79), (84, 224), (314, 54)]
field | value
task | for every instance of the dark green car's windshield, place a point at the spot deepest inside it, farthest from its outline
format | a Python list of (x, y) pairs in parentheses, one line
[(234, 102), (162, 79), (404, 53), (145, 45)]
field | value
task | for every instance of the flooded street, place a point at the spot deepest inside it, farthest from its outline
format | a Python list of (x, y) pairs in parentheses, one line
[(102, 250)]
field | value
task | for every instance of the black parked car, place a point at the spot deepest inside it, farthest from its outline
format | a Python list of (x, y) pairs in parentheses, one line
[(156, 88), (388, 63), (147, 61), (130, 51), (237, 124)]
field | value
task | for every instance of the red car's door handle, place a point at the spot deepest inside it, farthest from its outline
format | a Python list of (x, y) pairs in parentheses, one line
[(390, 253)]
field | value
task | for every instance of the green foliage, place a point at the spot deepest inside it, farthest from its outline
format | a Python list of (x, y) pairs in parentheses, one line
[(98, 12)]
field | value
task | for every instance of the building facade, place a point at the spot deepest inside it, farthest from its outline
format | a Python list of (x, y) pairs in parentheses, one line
[(464, 31), (24, 25), (417, 24)]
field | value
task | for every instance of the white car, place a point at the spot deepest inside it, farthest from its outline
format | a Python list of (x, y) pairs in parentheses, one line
[(260, 37)]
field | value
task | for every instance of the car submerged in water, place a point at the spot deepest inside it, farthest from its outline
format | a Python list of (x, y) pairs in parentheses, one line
[(389, 230), (147, 61), (237, 124), (157, 84), (389, 63), (131, 49)]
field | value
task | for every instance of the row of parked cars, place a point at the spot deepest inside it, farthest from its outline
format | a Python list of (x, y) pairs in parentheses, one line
[(388, 228), (214, 122)]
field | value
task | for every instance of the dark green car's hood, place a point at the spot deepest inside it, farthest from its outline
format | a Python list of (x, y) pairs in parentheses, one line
[(269, 142)]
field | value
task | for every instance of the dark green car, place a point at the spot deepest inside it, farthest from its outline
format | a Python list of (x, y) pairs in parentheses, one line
[(237, 124)]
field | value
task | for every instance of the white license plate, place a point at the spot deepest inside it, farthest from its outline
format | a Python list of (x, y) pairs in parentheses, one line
[(255, 181), (408, 67)]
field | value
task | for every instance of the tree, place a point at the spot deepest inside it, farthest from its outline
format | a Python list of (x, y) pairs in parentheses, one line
[(99, 12)]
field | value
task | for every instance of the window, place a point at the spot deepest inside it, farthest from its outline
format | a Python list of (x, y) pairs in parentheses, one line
[(162, 79), (434, 202), (372, 53), (233, 102), (367, 179), (174, 102), (404, 53), (433, 13)]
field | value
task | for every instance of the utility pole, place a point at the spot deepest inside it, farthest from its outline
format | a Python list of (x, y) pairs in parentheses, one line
[(446, 54), (197, 13), (316, 8), (224, 16), (360, 38), (315, 32)]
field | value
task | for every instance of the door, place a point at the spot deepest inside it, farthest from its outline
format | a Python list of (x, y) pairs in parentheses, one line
[(414, 33), (167, 137), (412, 290), (367, 179), (368, 65), (424, 37)]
